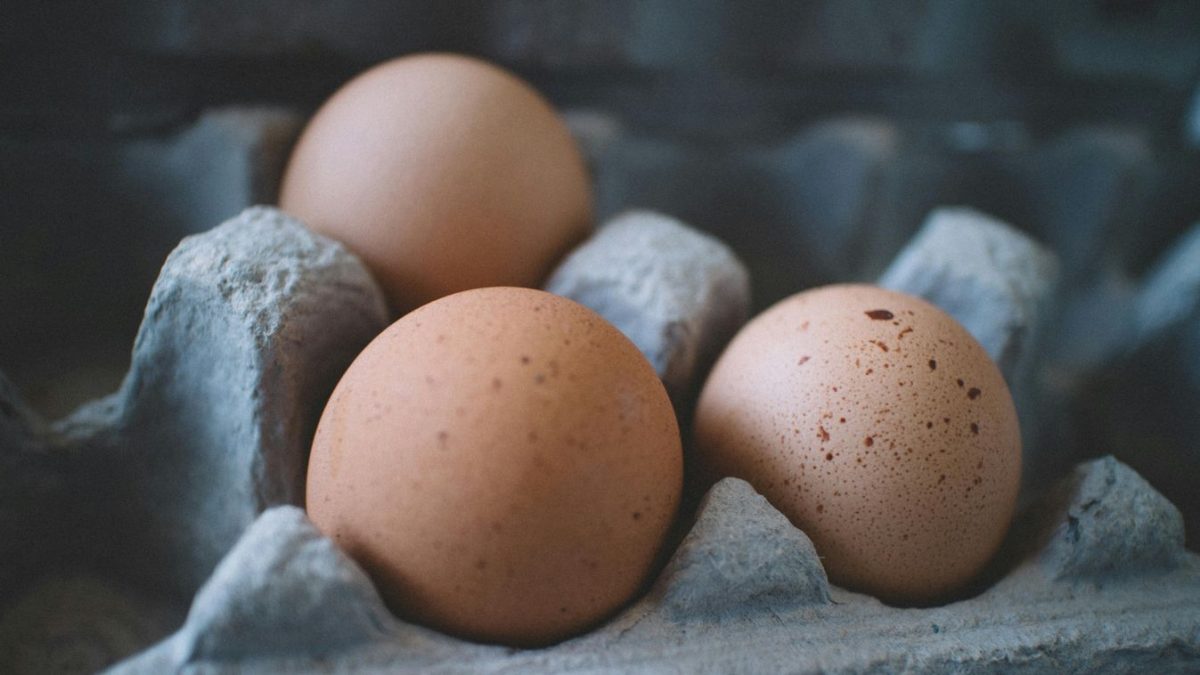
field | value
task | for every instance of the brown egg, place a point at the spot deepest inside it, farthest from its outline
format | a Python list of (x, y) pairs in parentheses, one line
[(879, 426), (442, 173), (503, 462)]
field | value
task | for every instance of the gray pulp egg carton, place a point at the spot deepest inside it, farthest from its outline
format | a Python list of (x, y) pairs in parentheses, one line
[(158, 524)]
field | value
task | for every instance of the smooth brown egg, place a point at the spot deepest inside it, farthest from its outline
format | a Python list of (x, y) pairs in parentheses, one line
[(879, 426), (442, 173), (503, 462)]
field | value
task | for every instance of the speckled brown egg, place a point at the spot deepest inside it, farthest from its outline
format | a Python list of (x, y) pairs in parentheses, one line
[(503, 462), (879, 426), (443, 173)]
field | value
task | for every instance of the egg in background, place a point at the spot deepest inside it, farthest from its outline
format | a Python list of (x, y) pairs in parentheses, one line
[(879, 426), (442, 173)]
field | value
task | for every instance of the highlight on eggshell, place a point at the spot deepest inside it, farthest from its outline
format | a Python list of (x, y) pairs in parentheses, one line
[(442, 173), (879, 426), (503, 462)]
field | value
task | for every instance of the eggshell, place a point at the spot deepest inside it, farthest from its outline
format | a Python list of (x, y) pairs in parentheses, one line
[(879, 426), (503, 462), (442, 173)]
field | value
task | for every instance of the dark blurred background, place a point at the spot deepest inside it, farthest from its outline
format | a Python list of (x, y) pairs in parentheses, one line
[(814, 136)]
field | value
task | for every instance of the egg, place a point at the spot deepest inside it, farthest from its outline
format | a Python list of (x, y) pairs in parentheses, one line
[(442, 173), (503, 462), (879, 427)]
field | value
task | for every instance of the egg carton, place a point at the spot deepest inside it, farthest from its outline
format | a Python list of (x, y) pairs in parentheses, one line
[(158, 525)]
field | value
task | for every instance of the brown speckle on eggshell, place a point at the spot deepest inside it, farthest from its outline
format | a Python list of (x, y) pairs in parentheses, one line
[(896, 505)]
